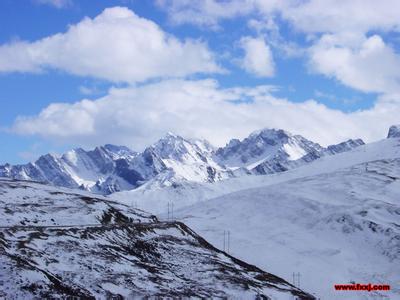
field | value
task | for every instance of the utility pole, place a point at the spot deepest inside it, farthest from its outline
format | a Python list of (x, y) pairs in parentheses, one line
[(170, 211), (224, 240), (298, 279), (229, 240)]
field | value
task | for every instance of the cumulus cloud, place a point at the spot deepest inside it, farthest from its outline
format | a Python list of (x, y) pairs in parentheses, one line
[(369, 66), (138, 116), (258, 58), (117, 45), (337, 30)]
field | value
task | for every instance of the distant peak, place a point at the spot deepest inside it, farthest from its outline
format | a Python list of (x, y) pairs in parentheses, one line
[(169, 133), (271, 132), (112, 147), (394, 131), (170, 136)]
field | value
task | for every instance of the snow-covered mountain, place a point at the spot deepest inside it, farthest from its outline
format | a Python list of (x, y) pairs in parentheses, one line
[(110, 168), (104, 169), (270, 151), (173, 160), (57, 243), (334, 220), (332, 215)]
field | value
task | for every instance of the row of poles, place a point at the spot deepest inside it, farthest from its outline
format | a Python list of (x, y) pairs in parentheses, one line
[(226, 239)]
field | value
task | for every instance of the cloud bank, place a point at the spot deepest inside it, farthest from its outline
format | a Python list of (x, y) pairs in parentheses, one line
[(138, 116), (117, 45)]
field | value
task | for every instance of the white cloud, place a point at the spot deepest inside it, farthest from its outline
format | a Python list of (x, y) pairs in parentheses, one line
[(117, 45), (258, 58), (308, 16), (337, 30), (205, 13), (335, 16), (89, 90), (55, 3), (369, 65), (137, 116)]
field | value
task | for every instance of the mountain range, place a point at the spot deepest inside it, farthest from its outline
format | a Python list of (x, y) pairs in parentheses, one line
[(333, 220), (328, 214), (172, 160)]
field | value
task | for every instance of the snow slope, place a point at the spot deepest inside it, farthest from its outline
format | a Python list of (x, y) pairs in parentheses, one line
[(347, 222), (154, 197), (57, 243), (339, 213)]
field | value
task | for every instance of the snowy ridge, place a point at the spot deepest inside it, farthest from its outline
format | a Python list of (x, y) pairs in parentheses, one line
[(271, 151), (59, 243)]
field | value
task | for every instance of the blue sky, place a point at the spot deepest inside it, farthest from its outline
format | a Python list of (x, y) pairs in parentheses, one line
[(176, 66)]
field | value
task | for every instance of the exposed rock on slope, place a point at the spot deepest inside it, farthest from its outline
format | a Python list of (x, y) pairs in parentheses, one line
[(394, 131), (56, 243)]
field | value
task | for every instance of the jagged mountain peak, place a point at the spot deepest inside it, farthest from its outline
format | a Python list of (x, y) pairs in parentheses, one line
[(271, 132), (173, 146), (265, 144), (394, 131)]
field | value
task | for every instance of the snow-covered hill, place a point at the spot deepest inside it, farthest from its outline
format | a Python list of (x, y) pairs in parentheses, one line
[(339, 213), (346, 221), (58, 243)]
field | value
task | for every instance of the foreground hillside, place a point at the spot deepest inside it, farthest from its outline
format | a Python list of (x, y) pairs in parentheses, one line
[(57, 242)]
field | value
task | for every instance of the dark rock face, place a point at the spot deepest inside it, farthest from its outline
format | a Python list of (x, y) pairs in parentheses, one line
[(122, 169), (394, 132), (345, 146)]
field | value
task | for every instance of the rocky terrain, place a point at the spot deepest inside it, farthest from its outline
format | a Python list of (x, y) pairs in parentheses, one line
[(57, 242)]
